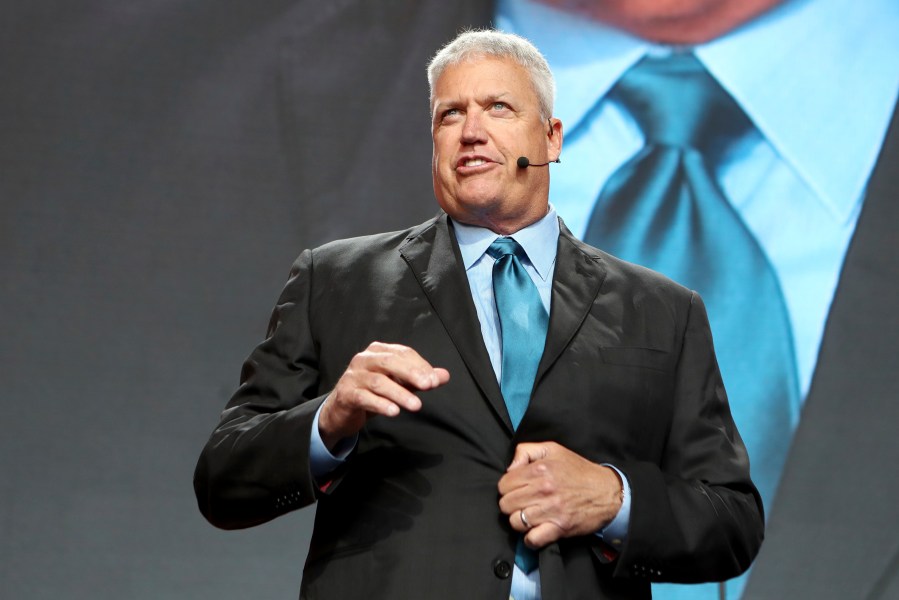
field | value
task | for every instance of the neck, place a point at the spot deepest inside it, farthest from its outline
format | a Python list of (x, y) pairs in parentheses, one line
[(506, 225)]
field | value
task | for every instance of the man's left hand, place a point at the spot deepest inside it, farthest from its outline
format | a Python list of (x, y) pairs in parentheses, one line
[(561, 493)]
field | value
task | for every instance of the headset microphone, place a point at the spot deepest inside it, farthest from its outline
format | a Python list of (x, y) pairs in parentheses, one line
[(523, 162)]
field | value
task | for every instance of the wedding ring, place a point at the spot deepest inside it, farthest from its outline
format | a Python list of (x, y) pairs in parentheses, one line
[(524, 519)]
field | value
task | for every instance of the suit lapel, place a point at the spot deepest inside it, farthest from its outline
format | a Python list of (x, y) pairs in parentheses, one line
[(577, 278), (433, 255)]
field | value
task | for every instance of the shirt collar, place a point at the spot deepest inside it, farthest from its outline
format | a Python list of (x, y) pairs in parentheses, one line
[(539, 241), (802, 91), (824, 94)]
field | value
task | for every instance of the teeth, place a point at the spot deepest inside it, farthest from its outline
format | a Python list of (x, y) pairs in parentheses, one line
[(474, 162)]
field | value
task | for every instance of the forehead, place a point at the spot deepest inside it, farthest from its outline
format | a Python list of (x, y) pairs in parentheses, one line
[(481, 77)]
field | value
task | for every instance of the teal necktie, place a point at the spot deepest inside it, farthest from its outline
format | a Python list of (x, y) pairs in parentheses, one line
[(664, 209), (523, 322)]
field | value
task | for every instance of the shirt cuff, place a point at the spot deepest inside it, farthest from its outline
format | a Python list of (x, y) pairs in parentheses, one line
[(321, 460), (615, 532)]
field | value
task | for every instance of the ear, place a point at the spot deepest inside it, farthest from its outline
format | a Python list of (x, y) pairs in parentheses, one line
[(554, 139)]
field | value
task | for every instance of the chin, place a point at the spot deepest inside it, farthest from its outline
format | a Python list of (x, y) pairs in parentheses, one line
[(480, 197), (481, 207), (471, 212)]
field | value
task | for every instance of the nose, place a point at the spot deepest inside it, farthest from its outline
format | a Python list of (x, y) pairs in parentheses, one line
[(473, 131)]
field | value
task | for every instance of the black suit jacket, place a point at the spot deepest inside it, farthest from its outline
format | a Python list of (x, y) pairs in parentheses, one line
[(628, 377), (836, 497)]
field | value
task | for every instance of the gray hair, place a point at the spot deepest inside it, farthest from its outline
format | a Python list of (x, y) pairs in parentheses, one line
[(487, 42)]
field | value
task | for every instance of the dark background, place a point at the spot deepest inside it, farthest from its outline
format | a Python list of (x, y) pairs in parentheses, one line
[(152, 200)]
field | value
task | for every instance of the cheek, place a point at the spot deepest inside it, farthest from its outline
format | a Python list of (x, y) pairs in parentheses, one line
[(435, 164), (440, 162), (444, 180), (444, 172)]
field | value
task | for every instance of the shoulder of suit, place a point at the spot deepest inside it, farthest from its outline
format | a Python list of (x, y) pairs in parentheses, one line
[(374, 245), (616, 267)]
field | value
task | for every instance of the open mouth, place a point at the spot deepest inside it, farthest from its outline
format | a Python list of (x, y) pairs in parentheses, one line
[(473, 162)]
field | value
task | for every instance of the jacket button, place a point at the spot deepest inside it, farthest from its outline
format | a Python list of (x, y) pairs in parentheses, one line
[(502, 569)]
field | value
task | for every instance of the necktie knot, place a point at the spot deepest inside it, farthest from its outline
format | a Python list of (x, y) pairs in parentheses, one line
[(505, 246), (676, 102)]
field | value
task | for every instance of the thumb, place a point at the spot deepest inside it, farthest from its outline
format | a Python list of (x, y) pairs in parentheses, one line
[(527, 453)]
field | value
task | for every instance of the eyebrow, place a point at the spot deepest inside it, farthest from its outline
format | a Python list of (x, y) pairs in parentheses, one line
[(495, 97), (485, 99)]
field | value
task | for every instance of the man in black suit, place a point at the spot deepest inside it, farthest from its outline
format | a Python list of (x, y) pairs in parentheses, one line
[(426, 484)]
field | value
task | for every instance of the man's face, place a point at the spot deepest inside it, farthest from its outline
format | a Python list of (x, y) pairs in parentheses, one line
[(485, 114)]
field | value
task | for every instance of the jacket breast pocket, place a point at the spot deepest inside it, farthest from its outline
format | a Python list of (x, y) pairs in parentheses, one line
[(646, 358)]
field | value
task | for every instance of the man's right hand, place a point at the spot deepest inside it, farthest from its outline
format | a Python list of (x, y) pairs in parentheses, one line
[(380, 380)]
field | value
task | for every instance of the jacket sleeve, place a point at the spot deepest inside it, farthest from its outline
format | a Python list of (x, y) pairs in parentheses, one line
[(255, 465), (696, 516)]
